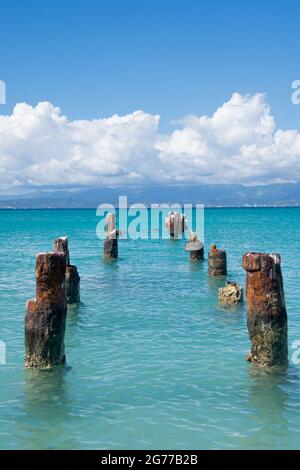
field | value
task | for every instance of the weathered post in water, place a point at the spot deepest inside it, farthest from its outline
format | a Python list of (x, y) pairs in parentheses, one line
[(45, 319), (217, 262), (60, 245), (111, 243), (195, 247), (266, 311), (176, 224)]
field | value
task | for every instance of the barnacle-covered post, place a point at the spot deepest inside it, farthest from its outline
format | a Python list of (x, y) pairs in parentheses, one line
[(45, 319), (217, 262), (266, 311), (72, 276), (195, 247), (111, 242), (231, 294)]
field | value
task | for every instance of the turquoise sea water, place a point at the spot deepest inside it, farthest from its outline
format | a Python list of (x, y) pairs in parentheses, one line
[(153, 362)]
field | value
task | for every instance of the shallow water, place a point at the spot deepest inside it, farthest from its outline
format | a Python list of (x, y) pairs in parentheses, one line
[(153, 362)]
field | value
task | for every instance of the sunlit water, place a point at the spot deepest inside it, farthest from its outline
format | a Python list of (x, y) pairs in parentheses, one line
[(153, 362)]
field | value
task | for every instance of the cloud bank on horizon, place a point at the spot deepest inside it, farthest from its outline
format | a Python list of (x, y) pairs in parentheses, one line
[(239, 143)]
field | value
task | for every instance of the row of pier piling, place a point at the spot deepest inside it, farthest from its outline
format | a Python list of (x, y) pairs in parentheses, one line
[(58, 284)]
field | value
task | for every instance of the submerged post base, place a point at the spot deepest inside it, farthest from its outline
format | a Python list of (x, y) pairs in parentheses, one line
[(111, 248), (44, 335)]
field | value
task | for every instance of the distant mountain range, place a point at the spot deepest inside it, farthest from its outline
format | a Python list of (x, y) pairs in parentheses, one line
[(210, 195)]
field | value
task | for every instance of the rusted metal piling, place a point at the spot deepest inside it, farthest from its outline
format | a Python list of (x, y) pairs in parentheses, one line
[(217, 262), (111, 243), (60, 245), (266, 311), (176, 224), (195, 247), (45, 318)]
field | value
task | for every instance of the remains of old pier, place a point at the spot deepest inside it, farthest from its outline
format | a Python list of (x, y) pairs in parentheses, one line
[(60, 245), (45, 319), (217, 261), (175, 224), (232, 294), (111, 242), (195, 247), (266, 311)]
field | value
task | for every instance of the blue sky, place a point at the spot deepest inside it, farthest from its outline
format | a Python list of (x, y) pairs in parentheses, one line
[(164, 91), (172, 57)]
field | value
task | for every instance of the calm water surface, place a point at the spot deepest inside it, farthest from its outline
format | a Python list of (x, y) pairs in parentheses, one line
[(153, 362)]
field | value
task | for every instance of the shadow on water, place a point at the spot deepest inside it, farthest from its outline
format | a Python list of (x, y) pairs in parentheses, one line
[(197, 265), (47, 409), (73, 315), (215, 282), (231, 309), (231, 315), (267, 400), (111, 263), (74, 320)]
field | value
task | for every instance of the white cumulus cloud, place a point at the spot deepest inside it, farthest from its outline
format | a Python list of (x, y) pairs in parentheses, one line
[(239, 143)]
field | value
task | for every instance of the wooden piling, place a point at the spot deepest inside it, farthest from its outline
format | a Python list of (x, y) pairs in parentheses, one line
[(110, 246), (217, 262), (266, 311), (195, 247), (61, 245), (45, 319)]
